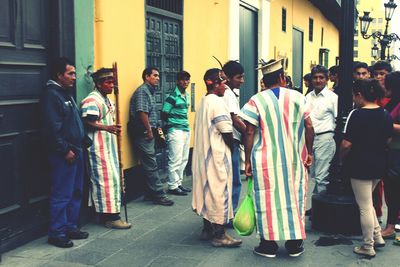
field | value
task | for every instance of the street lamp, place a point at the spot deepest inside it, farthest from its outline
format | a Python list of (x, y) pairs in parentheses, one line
[(384, 39), (375, 51)]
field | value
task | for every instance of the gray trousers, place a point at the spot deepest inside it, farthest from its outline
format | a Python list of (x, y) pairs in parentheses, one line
[(147, 154), (323, 149)]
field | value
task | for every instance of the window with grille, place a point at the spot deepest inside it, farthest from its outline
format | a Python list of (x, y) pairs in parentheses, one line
[(310, 29), (283, 19), (174, 6)]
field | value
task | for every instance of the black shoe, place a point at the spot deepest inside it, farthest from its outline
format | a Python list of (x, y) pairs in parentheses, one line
[(185, 189), (294, 247), (61, 242), (308, 212), (229, 224), (164, 201), (177, 191), (77, 234), (266, 249), (147, 198)]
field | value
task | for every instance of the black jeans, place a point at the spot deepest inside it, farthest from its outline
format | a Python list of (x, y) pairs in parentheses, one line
[(392, 193)]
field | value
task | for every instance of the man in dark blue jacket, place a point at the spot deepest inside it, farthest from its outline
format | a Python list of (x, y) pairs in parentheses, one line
[(64, 137)]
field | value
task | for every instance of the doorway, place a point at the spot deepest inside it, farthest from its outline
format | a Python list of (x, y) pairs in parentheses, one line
[(248, 33), (297, 65)]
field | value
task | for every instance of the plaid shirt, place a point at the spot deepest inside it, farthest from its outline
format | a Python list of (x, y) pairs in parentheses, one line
[(143, 100)]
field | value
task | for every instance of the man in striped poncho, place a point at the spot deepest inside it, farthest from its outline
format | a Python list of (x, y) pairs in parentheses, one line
[(98, 114), (278, 148)]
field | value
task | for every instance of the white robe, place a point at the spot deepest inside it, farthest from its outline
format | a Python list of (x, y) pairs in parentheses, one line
[(212, 163)]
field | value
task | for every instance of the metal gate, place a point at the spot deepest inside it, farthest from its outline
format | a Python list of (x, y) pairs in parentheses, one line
[(164, 51)]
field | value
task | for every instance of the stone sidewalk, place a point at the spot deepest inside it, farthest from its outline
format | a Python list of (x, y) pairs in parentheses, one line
[(169, 236)]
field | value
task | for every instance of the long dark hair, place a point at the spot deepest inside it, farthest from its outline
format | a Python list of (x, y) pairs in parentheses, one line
[(392, 83)]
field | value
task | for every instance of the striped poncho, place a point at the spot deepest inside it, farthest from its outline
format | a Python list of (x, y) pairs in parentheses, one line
[(105, 190), (280, 178)]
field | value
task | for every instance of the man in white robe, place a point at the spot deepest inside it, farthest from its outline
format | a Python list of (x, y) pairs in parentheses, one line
[(212, 164)]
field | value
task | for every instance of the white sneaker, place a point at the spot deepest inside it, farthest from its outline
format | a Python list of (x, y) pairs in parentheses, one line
[(397, 227)]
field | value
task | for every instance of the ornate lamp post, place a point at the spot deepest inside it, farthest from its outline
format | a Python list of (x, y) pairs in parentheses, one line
[(384, 39), (375, 54), (335, 210)]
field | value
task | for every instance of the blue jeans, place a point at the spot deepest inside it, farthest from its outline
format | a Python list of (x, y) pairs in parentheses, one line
[(178, 155), (236, 182), (66, 193)]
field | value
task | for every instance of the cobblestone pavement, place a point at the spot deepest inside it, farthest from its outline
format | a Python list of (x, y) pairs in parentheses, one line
[(169, 236)]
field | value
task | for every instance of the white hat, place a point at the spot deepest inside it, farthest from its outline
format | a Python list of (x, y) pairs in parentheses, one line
[(269, 67)]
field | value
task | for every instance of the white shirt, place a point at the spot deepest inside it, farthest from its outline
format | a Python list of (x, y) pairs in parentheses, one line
[(323, 110), (232, 103)]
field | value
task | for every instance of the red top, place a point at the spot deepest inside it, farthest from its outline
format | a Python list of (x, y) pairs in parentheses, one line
[(382, 102)]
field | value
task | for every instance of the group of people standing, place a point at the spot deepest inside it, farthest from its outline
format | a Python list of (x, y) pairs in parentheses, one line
[(369, 147), (277, 134), (370, 151), (286, 136)]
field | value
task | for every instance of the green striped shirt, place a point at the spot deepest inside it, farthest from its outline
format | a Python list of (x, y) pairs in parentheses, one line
[(176, 106)]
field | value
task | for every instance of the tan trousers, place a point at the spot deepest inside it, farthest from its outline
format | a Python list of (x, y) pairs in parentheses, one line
[(369, 223)]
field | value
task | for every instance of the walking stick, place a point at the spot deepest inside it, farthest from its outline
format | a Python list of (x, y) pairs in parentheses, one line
[(118, 119)]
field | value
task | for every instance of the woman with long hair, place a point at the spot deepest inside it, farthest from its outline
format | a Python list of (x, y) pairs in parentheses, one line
[(367, 132)]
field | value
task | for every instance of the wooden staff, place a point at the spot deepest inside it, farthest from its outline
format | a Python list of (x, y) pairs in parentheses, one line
[(119, 136)]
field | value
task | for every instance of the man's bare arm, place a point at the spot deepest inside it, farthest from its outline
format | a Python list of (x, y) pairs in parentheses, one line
[(144, 117), (309, 134), (238, 123), (114, 129), (248, 146)]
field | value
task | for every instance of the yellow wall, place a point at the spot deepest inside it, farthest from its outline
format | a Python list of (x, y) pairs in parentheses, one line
[(120, 37), (298, 14), (205, 34)]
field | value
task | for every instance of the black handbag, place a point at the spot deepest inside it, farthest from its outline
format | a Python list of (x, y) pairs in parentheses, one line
[(159, 138)]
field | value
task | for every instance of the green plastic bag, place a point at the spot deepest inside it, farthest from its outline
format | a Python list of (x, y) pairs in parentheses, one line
[(245, 219)]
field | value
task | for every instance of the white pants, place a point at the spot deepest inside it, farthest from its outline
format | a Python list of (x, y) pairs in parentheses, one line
[(178, 154), (369, 223), (323, 151)]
